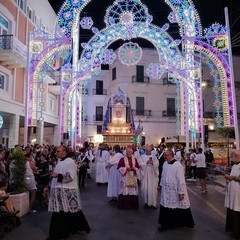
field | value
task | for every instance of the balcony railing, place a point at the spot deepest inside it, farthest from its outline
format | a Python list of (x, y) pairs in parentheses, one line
[(99, 91), (12, 52), (98, 118), (168, 81), (144, 79), (84, 91), (209, 114), (168, 113), (142, 112), (85, 118)]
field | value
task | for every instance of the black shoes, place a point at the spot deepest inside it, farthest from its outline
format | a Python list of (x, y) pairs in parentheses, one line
[(161, 229), (145, 206)]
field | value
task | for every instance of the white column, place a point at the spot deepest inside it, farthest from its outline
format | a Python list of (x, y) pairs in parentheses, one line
[(56, 136), (13, 130), (39, 133)]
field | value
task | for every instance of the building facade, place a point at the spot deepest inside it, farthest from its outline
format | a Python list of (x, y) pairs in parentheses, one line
[(17, 19), (153, 101)]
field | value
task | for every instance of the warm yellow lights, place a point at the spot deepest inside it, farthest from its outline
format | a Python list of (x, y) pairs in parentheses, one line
[(211, 127)]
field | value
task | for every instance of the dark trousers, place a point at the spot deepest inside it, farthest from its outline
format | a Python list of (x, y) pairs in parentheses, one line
[(81, 178), (192, 172)]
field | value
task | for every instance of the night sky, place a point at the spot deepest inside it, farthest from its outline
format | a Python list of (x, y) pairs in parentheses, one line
[(210, 11)]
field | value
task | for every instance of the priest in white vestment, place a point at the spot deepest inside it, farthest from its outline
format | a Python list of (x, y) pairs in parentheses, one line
[(174, 202), (149, 177), (114, 178), (232, 199), (101, 160), (64, 202)]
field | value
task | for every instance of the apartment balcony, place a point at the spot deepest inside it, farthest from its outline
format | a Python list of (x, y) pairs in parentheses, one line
[(13, 53), (98, 118), (167, 113), (99, 91), (169, 81), (209, 115), (54, 88), (143, 80), (85, 118), (140, 112)]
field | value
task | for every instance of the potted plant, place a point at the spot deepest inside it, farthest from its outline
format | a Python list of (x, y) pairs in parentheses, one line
[(19, 195)]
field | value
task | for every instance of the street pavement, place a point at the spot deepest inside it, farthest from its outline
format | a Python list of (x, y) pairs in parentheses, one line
[(109, 223)]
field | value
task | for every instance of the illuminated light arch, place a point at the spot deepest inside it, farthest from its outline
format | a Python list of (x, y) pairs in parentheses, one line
[(226, 84), (34, 90), (68, 17), (184, 13), (178, 10), (165, 45)]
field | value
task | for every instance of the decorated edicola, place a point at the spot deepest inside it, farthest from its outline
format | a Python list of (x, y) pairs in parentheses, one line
[(181, 59)]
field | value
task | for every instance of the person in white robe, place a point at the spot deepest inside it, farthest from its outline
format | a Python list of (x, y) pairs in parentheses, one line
[(101, 160), (113, 179), (232, 198), (64, 203), (149, 177), (174, 201)]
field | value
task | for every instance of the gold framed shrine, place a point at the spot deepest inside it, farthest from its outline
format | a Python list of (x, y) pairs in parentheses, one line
[(119, 125)]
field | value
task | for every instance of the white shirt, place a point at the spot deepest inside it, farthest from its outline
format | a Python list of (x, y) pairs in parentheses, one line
[(201, 160)]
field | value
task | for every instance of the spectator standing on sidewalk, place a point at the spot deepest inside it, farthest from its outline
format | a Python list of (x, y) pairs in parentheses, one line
[(232, 199), (192, 166), (209, 156), (201, 169)]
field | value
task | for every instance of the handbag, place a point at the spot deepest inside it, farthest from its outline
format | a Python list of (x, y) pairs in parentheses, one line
[(131, 179)]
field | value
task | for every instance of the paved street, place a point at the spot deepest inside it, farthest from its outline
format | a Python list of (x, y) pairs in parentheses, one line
[(108, 223)]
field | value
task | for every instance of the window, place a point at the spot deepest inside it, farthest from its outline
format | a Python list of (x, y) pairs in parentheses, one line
[(4, 22), (43, 27), (114, 73), (29, 13), (171, 111), (104, 67), (140, 106), (99, 113), (52, 104), (99, 87), (37, 20), (21, 4), (99, 129), (140, 73), (3, 81)]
